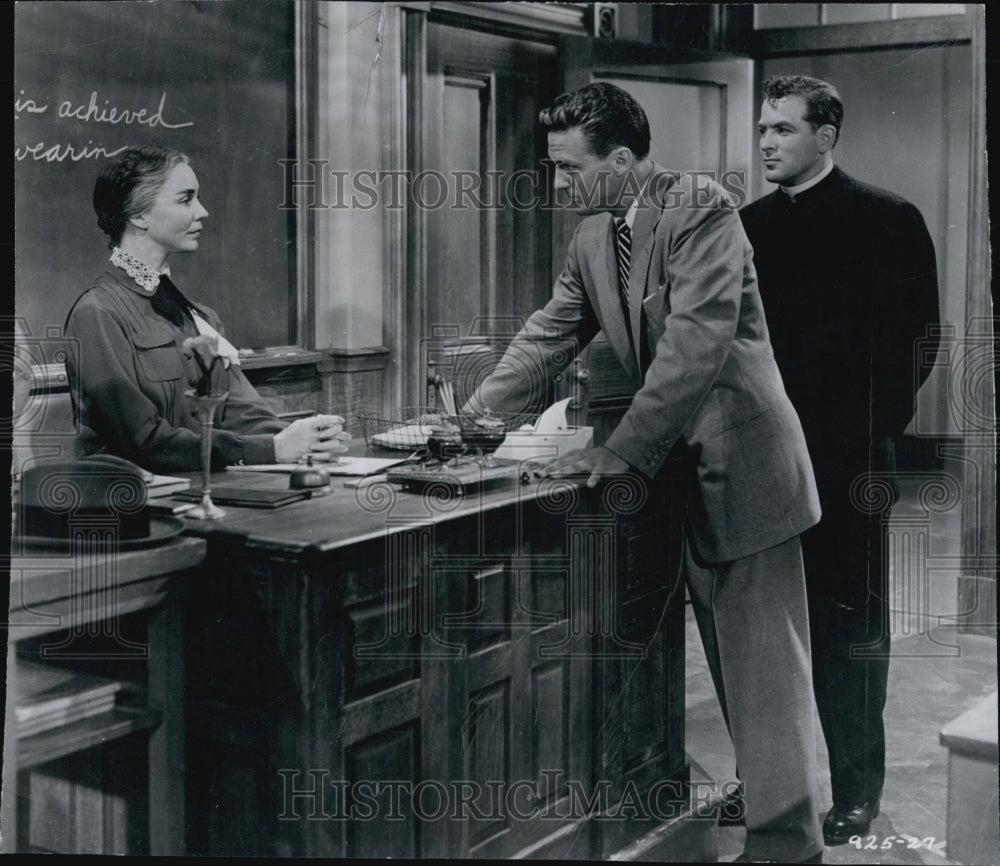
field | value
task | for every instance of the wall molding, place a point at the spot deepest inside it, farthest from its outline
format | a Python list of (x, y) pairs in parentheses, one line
[(863, 36), (562, 18)]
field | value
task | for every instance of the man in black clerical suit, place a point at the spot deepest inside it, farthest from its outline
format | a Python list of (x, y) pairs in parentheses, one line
[(848, 278)]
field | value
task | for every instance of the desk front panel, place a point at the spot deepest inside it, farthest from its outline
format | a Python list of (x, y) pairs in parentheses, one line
[(472, 675)]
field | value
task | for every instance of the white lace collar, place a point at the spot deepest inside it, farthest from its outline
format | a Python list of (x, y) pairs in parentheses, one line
[(145, 277)]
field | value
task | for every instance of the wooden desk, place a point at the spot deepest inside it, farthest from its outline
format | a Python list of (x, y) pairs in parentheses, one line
[(380, 673), (120, 618)]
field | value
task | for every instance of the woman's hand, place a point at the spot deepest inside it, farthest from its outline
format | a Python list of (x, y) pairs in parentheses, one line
[(321, 435)]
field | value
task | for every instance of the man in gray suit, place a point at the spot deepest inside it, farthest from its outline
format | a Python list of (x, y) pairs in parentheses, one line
[(664, 269)]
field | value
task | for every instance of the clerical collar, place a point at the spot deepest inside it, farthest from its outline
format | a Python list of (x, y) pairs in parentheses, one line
[(144, 276), (792, 191)]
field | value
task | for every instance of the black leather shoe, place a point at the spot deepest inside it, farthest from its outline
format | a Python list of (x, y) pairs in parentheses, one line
[(843, 823)]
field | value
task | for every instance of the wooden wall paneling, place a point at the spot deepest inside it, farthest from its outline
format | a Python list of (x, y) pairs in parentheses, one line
[(287, 384), (295, 390), (354, 382)]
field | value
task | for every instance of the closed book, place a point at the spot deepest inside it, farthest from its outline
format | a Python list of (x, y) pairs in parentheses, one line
[(66, 715), (247, 496), (48, 690)]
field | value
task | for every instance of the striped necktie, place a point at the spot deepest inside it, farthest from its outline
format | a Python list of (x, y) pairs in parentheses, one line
[(623, 249)]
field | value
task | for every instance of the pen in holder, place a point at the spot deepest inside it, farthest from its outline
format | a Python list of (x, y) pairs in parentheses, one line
[(443, 390), (210, 375), (205, 407)]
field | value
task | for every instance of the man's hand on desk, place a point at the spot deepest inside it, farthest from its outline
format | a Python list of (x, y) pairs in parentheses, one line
[(320, 435), (597, 462)]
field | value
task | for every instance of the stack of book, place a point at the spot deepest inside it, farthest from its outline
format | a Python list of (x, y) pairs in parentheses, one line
[(49, 697)]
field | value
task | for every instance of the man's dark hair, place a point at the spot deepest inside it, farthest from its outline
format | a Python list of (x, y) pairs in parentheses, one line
[(606, 115), (823, 105)]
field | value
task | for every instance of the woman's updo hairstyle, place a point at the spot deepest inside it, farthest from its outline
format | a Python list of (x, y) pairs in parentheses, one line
[(128, 186)]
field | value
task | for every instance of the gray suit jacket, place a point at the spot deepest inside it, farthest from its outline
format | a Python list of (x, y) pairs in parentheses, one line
[(712, 382)]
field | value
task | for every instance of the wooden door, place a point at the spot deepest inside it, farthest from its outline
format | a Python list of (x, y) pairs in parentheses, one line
[(479, 255)]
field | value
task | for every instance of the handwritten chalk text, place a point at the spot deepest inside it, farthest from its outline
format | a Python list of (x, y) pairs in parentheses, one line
[(95, 113), (29, 105), (43, 152)]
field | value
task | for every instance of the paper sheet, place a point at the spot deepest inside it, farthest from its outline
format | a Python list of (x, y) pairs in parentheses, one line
[(407, 437), (344, 466)]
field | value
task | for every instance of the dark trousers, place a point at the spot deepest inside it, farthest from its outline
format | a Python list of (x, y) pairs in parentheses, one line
[(847, 585)]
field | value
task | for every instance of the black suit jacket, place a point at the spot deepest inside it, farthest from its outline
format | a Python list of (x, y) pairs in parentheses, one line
[(848, 279)]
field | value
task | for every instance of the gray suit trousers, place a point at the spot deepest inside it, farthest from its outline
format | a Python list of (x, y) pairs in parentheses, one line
[(754, 625)]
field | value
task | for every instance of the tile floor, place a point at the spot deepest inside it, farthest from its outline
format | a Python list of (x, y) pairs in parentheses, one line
[(936, 674)]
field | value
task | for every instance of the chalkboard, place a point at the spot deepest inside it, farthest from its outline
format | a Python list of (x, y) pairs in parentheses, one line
[(213, 79)]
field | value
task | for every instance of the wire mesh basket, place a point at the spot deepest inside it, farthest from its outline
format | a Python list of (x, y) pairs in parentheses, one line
[(413, 426)]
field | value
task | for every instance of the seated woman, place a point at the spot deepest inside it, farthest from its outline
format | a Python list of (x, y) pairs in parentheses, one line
[(129, 373)]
